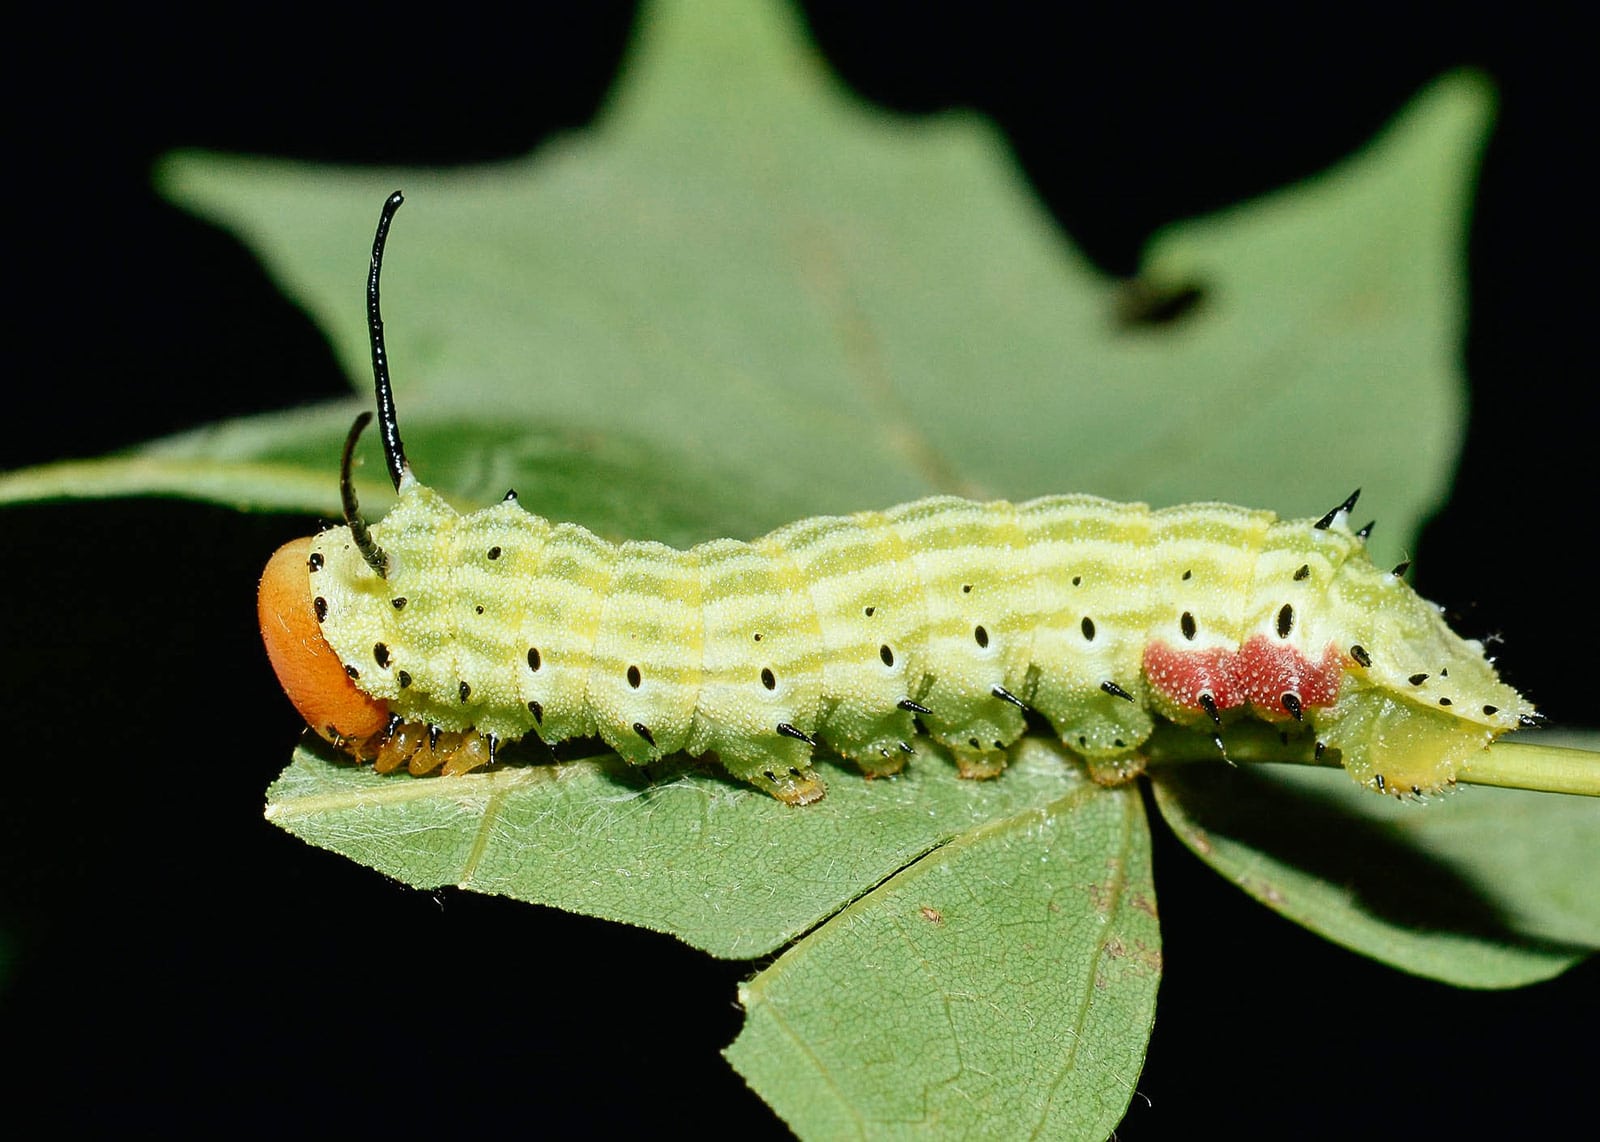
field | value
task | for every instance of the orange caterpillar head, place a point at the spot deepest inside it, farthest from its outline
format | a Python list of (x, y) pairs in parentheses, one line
[(307, 669)]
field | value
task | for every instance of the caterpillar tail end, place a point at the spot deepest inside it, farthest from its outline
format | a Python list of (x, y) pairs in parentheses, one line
[(1390, 746)]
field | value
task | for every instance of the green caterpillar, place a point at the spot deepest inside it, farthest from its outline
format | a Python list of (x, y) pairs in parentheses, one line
[(432, 637)]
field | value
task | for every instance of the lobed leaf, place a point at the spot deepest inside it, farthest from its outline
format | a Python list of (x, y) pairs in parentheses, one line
[(742, 297)]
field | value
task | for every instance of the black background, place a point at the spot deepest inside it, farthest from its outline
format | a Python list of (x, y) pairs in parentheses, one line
[(174, 960)]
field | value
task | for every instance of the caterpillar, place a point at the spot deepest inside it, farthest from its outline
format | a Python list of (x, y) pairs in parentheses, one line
[(430, 638)]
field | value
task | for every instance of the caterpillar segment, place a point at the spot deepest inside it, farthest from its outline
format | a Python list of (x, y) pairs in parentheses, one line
[(431, 637)]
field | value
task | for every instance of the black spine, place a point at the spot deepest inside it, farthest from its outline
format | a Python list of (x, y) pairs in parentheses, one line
[(388, 423)]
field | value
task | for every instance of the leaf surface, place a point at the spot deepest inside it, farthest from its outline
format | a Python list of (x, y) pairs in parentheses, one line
[(1482, 888), (685, 851), (1003, 986), (742, 297)]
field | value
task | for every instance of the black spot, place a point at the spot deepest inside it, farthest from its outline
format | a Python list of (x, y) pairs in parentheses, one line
[(352, 671), (1208, 703), (1087, 627), (493, 553), (1444, 701), (1116, 691), (1187, 575), (511, 494), (465, 691), (644, 731), (399, 604), (1491, 711), (315, 562), (769, 775), (1359, 653), (634, 677), (886, 654), (767, 679), (966, 588), (405, 679), (793, 772), (981, 635), (1445, 673), (537, 711), (1083, 741), (912, 707), (1285, 620), (1303, 573), (533, 658), (478, 608), (1401, 568), (1186, 624), (1119, 743), (1291, 702), (320, 606), (1417, 679), (973, 742), (380, 655), (1077, 580), (1322, 748), (868, 611), (758, 636), (1379, 782)]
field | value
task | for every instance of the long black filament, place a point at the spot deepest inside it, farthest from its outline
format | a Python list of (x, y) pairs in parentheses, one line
[(377, 558), (388, 423)]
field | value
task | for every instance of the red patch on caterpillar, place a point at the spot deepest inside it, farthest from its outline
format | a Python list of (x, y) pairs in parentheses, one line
[(1268, 670), (1259, 673), (1182, 676)]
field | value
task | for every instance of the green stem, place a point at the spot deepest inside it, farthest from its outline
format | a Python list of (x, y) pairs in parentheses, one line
[(1527, 765), (1509, 764)]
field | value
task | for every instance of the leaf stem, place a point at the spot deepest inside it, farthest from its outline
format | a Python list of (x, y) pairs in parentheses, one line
[(1527, 765), (1508, 764)]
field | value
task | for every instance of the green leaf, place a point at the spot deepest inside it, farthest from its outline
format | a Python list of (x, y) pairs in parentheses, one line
[(681, 850), (742, 297), (1485, 888), (788, 304), (1017, 966), (727, 315)]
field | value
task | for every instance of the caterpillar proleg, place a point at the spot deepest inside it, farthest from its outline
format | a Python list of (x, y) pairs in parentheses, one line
[(431, 637)]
